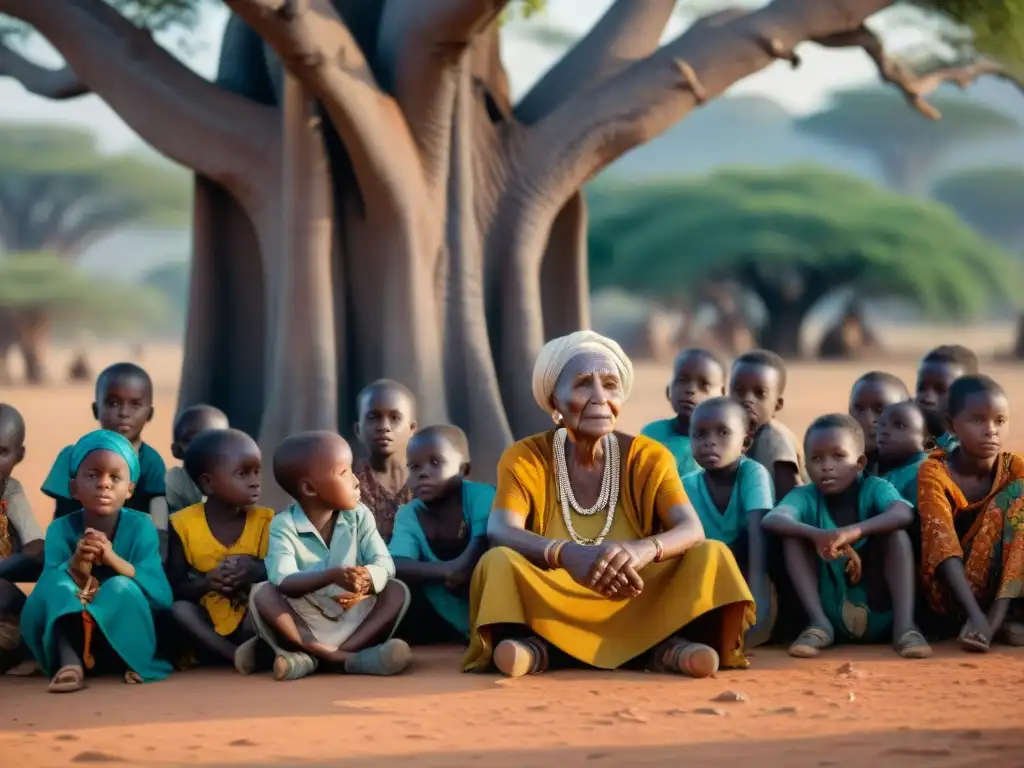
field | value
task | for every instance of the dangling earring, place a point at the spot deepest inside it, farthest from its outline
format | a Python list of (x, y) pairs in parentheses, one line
[(557, 417)]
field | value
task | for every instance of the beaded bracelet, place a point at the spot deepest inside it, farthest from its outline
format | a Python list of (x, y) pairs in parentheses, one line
[(659, 551)]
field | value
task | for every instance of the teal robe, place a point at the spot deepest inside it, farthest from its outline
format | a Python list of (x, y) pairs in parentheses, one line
[(666, 433), (408, 541), (904, 479), (122, 607), (150, 485), (845, 605), (751, 492)]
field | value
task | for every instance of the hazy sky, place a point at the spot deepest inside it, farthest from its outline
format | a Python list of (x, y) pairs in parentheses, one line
[(801, 90)]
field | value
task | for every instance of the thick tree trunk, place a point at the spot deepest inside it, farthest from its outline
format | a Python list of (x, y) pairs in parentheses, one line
[(783, 330), (33, 329)]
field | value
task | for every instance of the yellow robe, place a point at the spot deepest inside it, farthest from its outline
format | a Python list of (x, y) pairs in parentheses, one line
[(204, 552), (705, 583)]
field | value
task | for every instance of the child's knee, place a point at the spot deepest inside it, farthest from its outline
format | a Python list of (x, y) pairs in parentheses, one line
[(184, 611), (120, 587), (394, 594)]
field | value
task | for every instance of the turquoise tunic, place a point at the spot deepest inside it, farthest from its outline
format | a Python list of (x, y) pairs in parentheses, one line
[(408, 541), (946, 442), (122, 607), (751, 492), (665, 432), (845, 605), (904, 479), (150, 485)]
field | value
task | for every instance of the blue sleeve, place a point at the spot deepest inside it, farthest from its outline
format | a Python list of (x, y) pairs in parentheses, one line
[(882, 494), (373, 552), (149, 567), (798, 505), (480, 513), (281, 560), (59, 545), (56, 483), (404, 539), (153, 481), (756, 487)]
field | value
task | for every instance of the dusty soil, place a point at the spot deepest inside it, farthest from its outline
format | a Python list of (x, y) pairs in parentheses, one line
[(950, 711)]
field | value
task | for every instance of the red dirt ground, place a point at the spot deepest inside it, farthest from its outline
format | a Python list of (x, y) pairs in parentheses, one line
[(953, 710)]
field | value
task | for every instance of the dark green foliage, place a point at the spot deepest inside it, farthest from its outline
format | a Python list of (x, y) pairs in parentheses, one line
[(989, 199), (793, 236)]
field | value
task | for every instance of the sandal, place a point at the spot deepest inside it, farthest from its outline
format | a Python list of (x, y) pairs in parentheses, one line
[(912, 645), (680, 656), (132, 678), (246, 655), (1013, 633), (294, 665), (515, 658), (67, 680), (811, 642), (974, 641), (388, 658)]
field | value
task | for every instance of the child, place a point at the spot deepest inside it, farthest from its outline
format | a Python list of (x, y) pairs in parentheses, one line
[(124, 404), (102, 580), (331, 597), (972, 530), (935, 375), (871, 394), (697, 375), (21, 539), (181, 491), (217, 547), (387, 419), (441, 534), (848, 555), (758, 381), (731, 494), (902, 438)]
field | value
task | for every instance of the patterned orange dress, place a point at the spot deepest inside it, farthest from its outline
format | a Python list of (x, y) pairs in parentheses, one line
[(988, 535)]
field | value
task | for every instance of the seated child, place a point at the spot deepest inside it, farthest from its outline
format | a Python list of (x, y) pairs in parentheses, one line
[(935, 375), (697, 375), (217, 547), (972, 531), (21, 538), (440, 535), (731, 494), (871, 394), (758, 381), (848, 555), (181, 491), (331, 598), (387, 419), (92, 610), (124, 404), (902, 437)]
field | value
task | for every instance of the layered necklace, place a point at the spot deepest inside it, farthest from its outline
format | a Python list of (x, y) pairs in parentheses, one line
[(607, 499)]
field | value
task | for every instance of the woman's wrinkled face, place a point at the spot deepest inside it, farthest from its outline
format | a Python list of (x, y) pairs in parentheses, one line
[(589, 395)]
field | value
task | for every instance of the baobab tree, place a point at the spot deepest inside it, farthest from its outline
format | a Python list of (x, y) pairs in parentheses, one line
[(440, 235)]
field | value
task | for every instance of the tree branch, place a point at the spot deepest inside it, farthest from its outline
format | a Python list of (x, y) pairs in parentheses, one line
[(317, 47), (628, 31), (225, 137), (57, 84), (426, 42), (591, 130)]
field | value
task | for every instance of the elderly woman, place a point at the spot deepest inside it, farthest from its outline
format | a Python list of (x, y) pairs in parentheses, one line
[(597, 552)]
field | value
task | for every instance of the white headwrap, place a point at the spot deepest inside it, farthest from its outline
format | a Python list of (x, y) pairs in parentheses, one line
[(558, 352)]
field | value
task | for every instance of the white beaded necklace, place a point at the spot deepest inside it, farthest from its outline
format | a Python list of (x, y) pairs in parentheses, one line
[(607, 499)]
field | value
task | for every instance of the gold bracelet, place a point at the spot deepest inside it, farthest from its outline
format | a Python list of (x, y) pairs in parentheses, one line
[(659, 551), (553, 553), (547, 553), (557, 554)]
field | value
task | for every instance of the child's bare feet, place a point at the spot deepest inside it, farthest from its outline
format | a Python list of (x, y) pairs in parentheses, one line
[(67, 680), (388, 658)]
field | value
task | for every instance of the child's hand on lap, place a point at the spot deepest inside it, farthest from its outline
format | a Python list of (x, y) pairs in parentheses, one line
[(457, 578), (842, 539), (822, 541), (355, 579)]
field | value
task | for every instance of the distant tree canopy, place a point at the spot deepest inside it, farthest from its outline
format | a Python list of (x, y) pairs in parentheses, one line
[(40, 293), (906, 145), (791, 238), (59, 194), (989, 199), (171, 281)]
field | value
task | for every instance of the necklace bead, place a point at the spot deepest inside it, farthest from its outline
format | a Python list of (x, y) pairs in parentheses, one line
[(608, 497)]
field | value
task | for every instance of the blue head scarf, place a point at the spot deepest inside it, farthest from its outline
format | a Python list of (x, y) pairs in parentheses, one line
[(105, 440)]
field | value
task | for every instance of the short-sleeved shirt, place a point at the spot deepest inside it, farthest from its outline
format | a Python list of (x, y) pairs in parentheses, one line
[(182, 492), (904, 478), (751, 492), (806, 504), (773, 444), (21, 525), (297, 547), (665, 431), (150, 486)]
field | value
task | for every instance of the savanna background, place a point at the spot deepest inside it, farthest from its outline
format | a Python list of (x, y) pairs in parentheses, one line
[(810, 211)]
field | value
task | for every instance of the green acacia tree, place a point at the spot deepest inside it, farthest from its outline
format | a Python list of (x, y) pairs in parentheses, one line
[(791, 238), (989, 199), (431, 228), (41, 291)]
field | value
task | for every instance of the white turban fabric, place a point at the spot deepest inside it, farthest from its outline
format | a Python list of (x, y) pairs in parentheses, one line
[(558, 352)]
